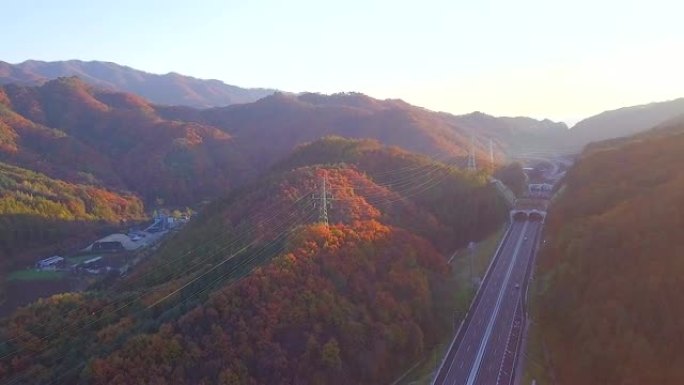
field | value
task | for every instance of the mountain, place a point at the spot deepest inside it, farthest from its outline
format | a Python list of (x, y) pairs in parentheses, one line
[(428, 198), (290, 120), (516, 135), (511, 135), (70, 130), (179, 155), (257, 290), (170, 89), (623, 122), (610, 272)]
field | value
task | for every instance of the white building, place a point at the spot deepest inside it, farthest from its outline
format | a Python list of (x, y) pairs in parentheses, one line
[(52, 263)]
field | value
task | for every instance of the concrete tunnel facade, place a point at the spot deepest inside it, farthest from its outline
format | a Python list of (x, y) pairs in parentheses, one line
[(528, 215)]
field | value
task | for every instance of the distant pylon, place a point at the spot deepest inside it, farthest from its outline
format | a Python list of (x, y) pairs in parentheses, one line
[(472, 165), (491, 153)]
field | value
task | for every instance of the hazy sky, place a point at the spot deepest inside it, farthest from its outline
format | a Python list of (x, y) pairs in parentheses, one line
[(543, 58)]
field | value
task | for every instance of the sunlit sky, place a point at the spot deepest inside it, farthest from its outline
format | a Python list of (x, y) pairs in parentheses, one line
[(543, 58)]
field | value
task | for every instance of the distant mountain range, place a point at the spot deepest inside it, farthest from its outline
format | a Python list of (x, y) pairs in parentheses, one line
[(168, 89), (511, 135), (514, 134), (70, 130)]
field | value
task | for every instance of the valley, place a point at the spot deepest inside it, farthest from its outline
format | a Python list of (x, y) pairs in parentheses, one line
[(329, 239)]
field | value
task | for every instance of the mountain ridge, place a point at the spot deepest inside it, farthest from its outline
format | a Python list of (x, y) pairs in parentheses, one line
[(170, 89)]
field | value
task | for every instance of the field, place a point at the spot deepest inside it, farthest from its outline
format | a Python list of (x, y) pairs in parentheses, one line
[(35, 275)]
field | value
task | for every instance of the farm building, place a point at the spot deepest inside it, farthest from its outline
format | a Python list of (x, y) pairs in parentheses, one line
[(114, 243)]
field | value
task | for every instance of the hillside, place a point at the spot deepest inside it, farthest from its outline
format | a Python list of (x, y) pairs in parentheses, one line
[(256, 290), (290, 120), (41, 216), (612, 267), (516, 135), (430, 199), (169, 89), (623, 122), (72, 131)]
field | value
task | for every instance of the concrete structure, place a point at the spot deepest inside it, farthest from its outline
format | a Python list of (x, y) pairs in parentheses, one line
[(114, 243), (540, 188), (529, 214), (104, 264), (52, 263)]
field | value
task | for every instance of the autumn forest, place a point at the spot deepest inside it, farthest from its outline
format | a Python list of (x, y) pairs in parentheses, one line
[(327, 237)]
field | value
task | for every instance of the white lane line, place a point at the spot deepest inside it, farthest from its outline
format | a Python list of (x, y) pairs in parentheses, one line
[(514, 324), (483, 344), (485, 289), (508, 340)]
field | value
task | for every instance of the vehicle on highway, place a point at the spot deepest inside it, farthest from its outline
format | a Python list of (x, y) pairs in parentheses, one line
[(517, 286)]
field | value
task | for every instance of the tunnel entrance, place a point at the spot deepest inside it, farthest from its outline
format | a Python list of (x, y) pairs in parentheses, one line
[(520, 216), (536, 217)]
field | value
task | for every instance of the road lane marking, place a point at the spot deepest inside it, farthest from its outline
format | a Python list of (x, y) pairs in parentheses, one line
[(485, 289), (490, 325)]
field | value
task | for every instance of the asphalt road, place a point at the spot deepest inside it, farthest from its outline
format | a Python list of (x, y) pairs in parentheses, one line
[(485, 349)]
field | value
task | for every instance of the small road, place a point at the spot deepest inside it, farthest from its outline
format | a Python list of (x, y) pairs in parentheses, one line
[(485, 348)]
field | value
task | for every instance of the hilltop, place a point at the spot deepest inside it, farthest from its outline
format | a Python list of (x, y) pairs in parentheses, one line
[(169, 89), (256, 289)]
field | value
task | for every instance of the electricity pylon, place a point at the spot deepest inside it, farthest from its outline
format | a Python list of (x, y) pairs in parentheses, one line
[(471, 165), (324, 201)]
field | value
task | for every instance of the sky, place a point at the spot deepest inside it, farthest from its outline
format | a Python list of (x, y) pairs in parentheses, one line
[(546, 59)]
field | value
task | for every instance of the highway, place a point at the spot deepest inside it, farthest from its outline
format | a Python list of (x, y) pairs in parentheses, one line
[(485, 348)]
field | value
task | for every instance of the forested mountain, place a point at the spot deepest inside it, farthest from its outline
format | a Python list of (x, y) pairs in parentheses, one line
[(271, 127), (170, 89), (516, 135), (610, 308), (623, 122), (72, 131), (352, 302), (512, 135)]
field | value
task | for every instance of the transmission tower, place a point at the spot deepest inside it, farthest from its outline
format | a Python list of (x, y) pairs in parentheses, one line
[(491, 153), (471, 166), (324, 201)]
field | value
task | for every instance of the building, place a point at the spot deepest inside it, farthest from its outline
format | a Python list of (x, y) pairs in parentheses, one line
[(105, 265), (114, 243), (53, 263), (108, 246), (91, 266)]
